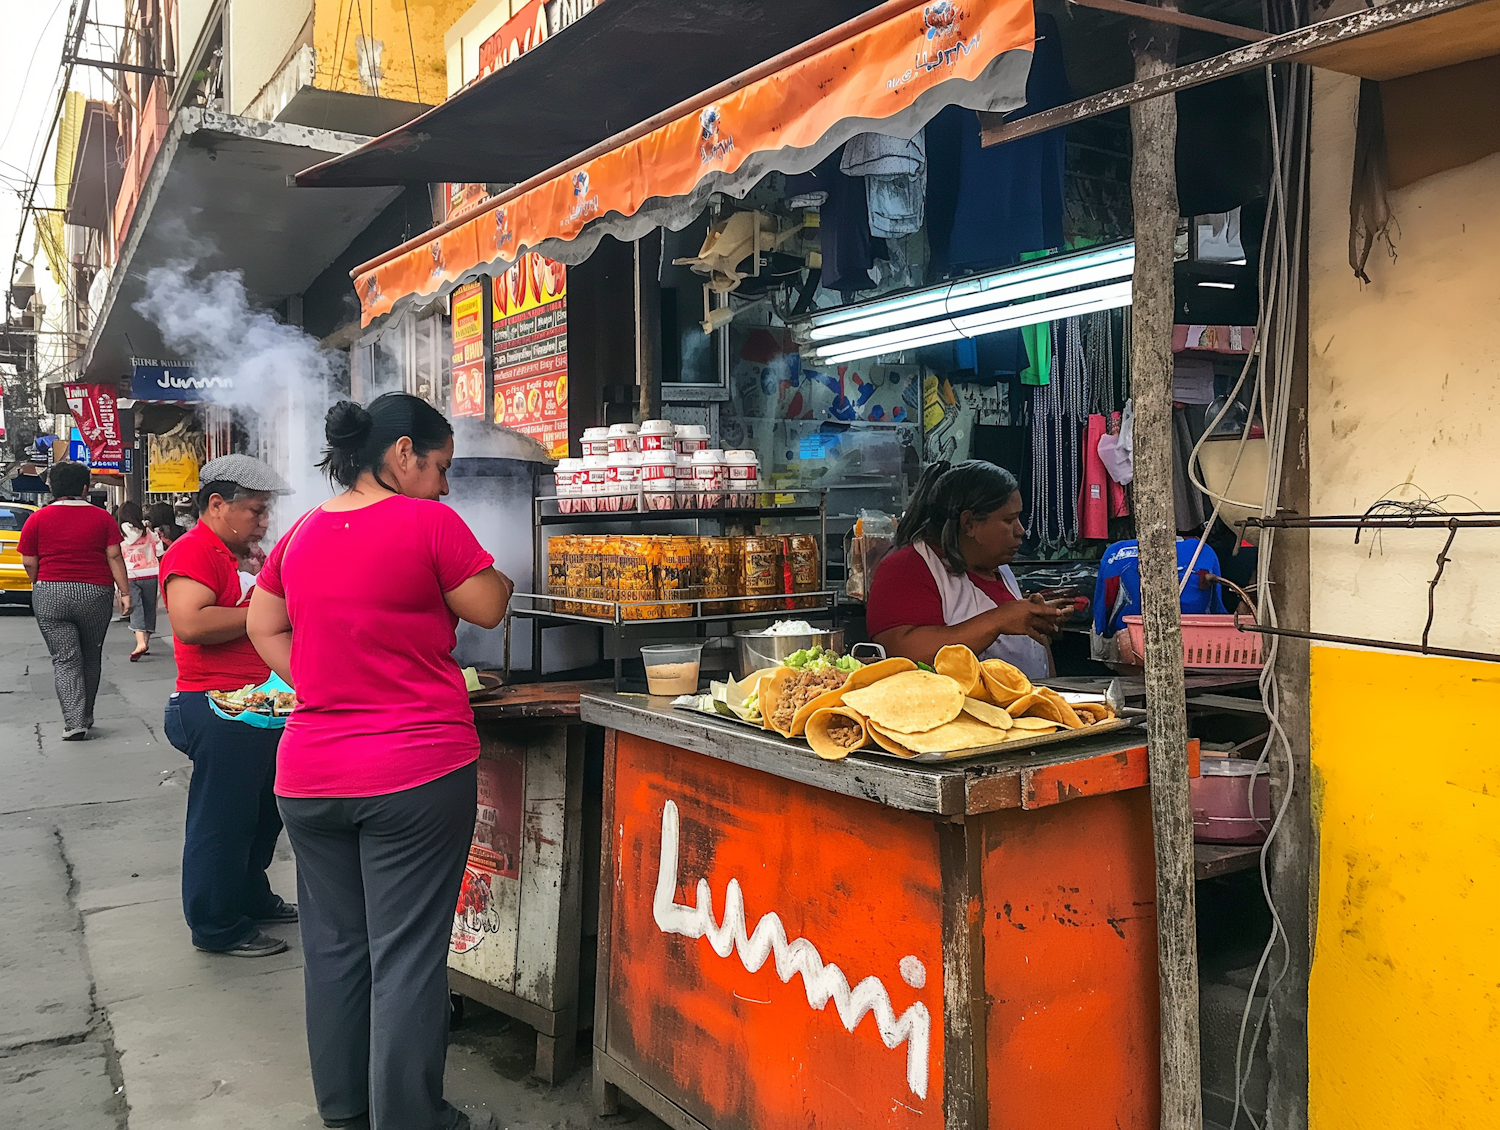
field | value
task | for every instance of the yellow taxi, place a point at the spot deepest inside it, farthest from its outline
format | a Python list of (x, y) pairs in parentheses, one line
[(15, 585)]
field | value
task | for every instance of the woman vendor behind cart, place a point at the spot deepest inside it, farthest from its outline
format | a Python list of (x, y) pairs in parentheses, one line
[(949, 579)]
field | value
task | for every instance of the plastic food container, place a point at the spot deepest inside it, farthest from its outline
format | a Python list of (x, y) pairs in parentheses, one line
[(1209, 643), (672, 668), (622, 484), (659, 478), (592, 483), (1221, 801), (743, 486), (686, 498), (709, 473), (565, 476), (691, 438), (658, 435), (595, 441), (623, 437)]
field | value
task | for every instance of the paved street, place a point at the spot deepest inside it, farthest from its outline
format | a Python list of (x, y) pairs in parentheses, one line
[(111, 1018)]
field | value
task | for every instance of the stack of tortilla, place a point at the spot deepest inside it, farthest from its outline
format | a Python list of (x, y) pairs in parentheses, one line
[(893, 705)]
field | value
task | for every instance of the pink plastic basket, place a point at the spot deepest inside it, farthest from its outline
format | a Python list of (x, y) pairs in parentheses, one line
[(1209, 643)]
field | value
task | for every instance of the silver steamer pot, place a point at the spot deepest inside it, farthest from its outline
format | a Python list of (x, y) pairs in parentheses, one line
[(753, 651)]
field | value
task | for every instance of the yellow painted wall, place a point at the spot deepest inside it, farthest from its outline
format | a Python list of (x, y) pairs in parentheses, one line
[(1404, 386), (337, 25), (1404, 1004)]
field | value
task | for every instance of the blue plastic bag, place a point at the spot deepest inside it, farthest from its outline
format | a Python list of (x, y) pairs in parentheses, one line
[(254, 718)]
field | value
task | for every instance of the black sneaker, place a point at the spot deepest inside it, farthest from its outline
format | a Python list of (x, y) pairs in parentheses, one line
[(358, 1122), (282, 913), (257, 945)]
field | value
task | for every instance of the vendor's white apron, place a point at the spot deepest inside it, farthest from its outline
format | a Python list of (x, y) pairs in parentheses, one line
[(963, 600)]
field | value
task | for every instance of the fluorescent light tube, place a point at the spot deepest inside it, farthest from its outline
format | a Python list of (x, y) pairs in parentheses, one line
[(1217, 285), (976, 324), (1042, 276)]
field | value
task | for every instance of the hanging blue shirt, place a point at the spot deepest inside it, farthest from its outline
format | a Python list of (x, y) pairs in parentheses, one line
[(1117, 593)]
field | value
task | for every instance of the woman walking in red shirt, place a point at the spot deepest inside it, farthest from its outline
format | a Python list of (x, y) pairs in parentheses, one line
[(71, 552), (356, 607)]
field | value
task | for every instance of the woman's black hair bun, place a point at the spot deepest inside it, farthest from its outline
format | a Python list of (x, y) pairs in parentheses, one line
[(347, 426)]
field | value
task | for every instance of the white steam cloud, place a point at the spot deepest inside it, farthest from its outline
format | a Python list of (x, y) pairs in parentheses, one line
[(277, 378)]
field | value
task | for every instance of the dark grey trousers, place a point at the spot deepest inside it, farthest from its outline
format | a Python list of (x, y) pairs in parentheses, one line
[(377, 881), (74, 619)]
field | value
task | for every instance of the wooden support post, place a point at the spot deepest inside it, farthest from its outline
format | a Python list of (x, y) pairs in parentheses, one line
[(1154, 194), (648, 324)]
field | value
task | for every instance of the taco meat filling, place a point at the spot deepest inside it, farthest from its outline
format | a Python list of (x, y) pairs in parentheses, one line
[(801, 689), (844, 732)]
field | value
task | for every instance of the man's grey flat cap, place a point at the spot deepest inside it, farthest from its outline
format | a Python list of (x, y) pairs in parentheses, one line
[(243, 470)]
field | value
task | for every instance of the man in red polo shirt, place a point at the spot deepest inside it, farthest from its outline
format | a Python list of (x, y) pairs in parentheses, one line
[(232, 821)]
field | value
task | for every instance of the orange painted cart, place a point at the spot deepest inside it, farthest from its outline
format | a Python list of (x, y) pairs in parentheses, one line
[(789, 942)]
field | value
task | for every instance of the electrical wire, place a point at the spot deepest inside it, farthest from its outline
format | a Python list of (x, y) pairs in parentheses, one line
[(1286, 278), (78, 14), (416, 78)]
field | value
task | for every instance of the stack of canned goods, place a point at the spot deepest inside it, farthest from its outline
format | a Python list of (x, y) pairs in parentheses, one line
[(760, 573)]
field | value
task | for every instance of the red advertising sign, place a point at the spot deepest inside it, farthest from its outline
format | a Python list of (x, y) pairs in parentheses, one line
[(494, 853), (519, 34), (98, 419), (468, 350), (528, 29), (531, 351)]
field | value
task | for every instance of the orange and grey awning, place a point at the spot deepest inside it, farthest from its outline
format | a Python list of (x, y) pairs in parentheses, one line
[(888, 71)]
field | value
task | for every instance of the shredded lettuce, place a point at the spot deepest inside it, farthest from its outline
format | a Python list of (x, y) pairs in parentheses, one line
[(817, 657)]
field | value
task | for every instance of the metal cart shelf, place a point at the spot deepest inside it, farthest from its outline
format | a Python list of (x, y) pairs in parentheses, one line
[(541, 609)]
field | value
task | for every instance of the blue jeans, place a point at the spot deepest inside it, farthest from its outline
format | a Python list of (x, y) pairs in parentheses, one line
[(232, 821)]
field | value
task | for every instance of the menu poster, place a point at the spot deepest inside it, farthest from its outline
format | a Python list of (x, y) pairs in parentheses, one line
[(468, 350), (531, 351)]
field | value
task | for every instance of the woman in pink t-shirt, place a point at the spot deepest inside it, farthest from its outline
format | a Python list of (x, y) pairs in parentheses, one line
[(356, 607)]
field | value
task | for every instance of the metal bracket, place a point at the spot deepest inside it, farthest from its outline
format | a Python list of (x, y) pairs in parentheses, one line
[(1359, 523)]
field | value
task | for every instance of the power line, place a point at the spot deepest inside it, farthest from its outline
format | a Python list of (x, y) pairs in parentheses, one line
[(76, 17)]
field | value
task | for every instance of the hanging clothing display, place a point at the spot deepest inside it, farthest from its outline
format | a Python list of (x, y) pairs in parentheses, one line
[(895, 175), (1116, 448), (844, 225), (1093, 503), (1076, 463), (988, 206)]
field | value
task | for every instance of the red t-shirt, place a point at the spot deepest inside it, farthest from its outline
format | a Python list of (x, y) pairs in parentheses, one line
[(69, 537), (200, 556), (904, 595), (381, 701)]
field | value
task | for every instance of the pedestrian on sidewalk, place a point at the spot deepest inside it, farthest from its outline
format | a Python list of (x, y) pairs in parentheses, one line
[(163, 522), (232, 821), (71, 551), (142, 552), (377, 774)]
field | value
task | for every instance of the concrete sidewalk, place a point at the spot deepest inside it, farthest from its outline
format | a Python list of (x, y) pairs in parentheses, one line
[(111, 1018)]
